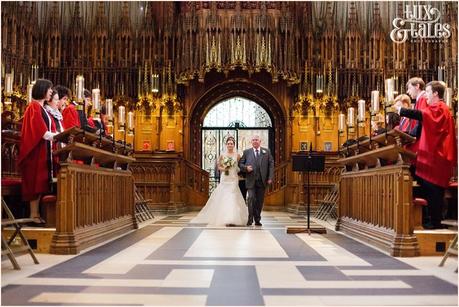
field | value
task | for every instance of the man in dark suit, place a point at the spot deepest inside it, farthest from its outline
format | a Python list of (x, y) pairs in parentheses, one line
[(258, 164)]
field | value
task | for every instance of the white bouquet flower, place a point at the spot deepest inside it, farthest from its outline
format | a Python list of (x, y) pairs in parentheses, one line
[(227, 163)]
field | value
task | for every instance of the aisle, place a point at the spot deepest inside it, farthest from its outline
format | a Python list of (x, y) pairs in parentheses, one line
[(171, 262)]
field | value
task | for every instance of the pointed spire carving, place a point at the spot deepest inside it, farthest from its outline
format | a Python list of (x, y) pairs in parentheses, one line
[(329, 17), (125, 22), (352, 18)]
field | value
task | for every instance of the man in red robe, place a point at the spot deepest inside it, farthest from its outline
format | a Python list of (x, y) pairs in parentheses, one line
[(35, 157), (437, 151), (416, 90)]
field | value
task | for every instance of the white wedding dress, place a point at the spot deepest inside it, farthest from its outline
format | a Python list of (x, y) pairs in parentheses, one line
[(225, 206)]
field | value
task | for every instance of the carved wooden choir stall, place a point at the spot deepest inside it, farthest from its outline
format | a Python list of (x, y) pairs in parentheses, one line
[(95, 199), (376, 201)]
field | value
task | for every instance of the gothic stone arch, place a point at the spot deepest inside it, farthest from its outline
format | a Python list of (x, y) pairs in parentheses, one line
[(228, 89)]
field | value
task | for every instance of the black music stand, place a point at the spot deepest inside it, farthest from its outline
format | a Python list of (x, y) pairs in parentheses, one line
[(311, 162)]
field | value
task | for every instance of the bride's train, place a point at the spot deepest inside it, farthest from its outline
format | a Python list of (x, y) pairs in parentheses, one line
[(225, 206)]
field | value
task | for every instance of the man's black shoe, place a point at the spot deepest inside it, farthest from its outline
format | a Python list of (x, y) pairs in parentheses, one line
[(258, 224), (249, 224)]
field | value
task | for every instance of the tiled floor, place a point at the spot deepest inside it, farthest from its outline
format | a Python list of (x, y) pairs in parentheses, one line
[(172, 262)]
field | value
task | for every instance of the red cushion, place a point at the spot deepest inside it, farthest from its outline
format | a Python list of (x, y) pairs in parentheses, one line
[(420, 202), (11, 181), (49, 199)]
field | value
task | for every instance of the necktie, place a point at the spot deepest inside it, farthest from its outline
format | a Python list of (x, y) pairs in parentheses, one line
[(256, 153)]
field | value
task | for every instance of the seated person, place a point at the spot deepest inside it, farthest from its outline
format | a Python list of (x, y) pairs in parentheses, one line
[(406, 103), (377, 125), (73, 115), (98, 123)]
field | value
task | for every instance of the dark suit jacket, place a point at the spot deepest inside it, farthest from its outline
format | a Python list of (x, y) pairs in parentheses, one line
[(266, 165)]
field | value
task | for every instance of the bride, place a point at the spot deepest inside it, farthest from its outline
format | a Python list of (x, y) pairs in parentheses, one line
[(226, 206)]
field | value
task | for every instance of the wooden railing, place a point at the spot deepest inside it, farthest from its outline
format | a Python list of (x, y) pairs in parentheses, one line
[(95, 200), (10, 152), (377, 205), (376, 202), (276, 192), (94, 204), (196, 185), (279, 179), (172, 183)]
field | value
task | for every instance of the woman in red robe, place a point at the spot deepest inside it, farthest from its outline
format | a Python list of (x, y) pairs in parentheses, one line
[(35, 155)]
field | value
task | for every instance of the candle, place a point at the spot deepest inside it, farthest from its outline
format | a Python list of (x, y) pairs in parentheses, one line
[(121, 115), (29, 91), (80, 88), (34, 72), (389, 90), (319, 87), (8, 84), (341, 121), (155, 83), (449, 97), (130, 120), (109, 105), (350, 117), (96, 99), (374, 102), (361, 111)]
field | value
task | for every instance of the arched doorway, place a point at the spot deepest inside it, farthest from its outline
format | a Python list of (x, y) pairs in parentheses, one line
[(237, 117), (239, 87)]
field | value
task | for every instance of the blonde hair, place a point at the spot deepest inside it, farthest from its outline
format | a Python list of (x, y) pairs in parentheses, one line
[(404, 98)]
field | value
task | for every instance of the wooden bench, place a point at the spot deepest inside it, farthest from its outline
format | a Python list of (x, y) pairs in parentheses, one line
[(419, 203), (48, 210)]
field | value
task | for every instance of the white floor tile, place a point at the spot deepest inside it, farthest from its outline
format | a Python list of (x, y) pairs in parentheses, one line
[(236, 243), (126, 299), (125, 260)]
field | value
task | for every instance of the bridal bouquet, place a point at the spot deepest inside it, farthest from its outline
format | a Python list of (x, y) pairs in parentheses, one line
[(228, 162)]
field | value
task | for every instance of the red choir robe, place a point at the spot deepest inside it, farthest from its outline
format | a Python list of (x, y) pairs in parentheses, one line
[(437, 153), (34, 160), (71, 117), (91, 122), (421, 104)]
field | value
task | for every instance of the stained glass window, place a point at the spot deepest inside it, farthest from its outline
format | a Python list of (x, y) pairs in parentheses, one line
[(237, 110)]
